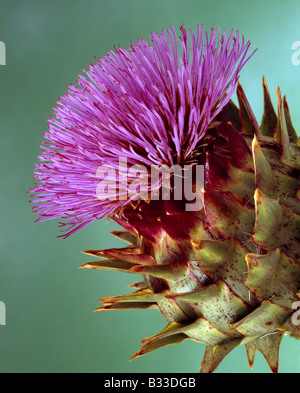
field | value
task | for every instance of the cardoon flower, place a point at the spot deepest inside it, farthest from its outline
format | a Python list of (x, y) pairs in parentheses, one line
[(150, 104), (225, 273)]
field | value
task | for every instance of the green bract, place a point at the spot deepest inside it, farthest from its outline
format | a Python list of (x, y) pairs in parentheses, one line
[(229, 274)]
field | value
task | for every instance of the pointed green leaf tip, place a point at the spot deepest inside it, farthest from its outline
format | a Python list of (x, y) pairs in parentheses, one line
[(267, 318), (280, 272), (215, 354), (249, 123), (276, 226), (264, 178), (269, 345), (218, 304), (269, 119), (251, 349)]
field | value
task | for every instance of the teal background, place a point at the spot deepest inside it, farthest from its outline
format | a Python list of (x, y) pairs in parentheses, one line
[(49, 301)]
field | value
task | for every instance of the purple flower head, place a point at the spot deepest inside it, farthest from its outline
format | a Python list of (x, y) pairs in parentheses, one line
[(149, 104)]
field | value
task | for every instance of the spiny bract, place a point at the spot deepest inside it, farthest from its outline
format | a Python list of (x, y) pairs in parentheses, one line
[(227, 275)]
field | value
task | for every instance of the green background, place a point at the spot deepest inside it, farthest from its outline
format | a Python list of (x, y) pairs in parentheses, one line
[(49, 301)]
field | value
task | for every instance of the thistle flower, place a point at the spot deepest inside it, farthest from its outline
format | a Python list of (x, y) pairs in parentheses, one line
[(225, 275), (150, 104)]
